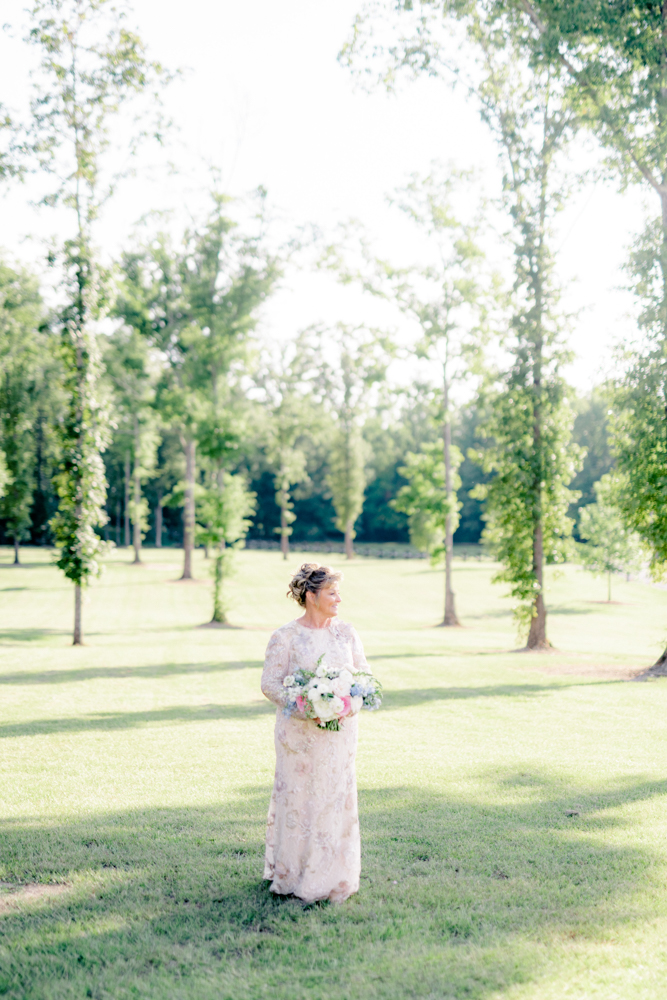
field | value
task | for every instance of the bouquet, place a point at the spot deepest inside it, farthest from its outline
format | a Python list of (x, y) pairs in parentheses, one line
[(328, 694)]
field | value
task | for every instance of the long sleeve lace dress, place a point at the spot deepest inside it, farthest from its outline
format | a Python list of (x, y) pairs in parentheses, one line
[(312, 836)]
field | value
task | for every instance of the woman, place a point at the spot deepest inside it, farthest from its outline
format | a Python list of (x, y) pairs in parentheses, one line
[(312, 836)]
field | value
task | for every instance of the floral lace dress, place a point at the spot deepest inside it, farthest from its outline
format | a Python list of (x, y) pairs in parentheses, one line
[(312, 836)]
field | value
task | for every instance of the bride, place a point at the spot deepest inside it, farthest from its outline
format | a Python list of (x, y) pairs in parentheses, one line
[(312, 836)]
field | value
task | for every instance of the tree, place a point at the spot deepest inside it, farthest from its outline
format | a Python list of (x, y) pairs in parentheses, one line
[(431, 507), (23, 347), (12, 145), (134, 377), (287, 379), (591, 432), (91, 65), (610, 547), (224, 512), (449, 299), (637, 422), (404, 420), (4, 475), (525, 105), (168, 473), (358, 359), (197, 302), (614, 57)]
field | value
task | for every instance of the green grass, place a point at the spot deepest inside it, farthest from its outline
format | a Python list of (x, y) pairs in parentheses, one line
[(513, 806)]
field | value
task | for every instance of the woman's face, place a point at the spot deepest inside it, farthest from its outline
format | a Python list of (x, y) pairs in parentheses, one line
[(326, 600)]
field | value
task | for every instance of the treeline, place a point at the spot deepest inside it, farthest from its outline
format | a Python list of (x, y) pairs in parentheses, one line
[(257, 413)]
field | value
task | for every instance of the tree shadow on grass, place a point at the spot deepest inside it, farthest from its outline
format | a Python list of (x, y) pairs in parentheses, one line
[(26, 565), (185, 714), (568, 609), (507, 612), (18, 635), (441, 654), (459, 898), (418, 696), (132, 720), (206, 713), (149, 670)]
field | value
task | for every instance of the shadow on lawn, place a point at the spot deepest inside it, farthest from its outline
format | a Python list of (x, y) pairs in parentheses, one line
[(170, 902), (150, 670), (417, 696), (131, 720), (14, 635), (25, 565), (571, 609), (207, 713)]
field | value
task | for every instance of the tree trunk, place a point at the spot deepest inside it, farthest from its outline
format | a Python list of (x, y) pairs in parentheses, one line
[(78, 628), (17, 561), (158, 523), (659, 668), (284, 537), (126, 524), (218, 606), (450, 618), (609, 588), (136, 521), (349, 544), (189, 510), (537, 636)]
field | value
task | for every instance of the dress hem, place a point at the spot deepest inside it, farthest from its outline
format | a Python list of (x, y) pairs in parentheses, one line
[(331, 897)]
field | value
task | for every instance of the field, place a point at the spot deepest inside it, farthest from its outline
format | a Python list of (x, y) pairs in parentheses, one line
[(513, 806)]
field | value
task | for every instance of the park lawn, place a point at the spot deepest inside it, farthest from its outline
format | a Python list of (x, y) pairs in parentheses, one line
[(513, 806)]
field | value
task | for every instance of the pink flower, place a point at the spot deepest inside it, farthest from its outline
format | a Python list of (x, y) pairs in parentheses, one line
[(347, 702), (300, 702)]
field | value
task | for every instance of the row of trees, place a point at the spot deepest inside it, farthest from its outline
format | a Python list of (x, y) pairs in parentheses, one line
[(540, 73), (174, 394), (193, 429), (187, 309)]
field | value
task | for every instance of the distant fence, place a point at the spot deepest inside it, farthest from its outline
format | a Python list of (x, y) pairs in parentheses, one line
[(378, 550)]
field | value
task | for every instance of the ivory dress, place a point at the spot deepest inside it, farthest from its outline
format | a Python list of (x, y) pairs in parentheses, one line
[(312, 835)]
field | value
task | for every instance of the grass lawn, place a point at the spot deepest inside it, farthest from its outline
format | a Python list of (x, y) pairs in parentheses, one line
[(513, 806)]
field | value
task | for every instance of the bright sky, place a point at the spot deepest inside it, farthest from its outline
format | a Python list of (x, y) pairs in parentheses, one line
[(265, 100)]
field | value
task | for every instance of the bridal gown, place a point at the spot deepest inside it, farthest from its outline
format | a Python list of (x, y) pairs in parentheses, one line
[(312, 835)]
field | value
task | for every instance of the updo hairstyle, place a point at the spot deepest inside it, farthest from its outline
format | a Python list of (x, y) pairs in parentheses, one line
[(310, 577)]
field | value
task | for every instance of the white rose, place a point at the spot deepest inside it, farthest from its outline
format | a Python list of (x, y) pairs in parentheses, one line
[(321, 670), (357, 702), (323, 708), (342, 684), (322, 687), (337, 705), (288, 681)]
